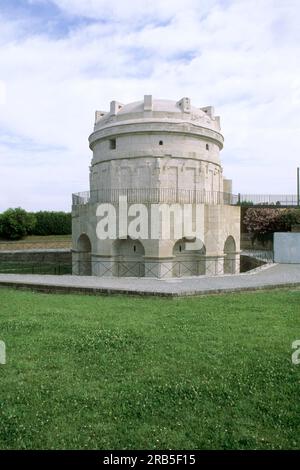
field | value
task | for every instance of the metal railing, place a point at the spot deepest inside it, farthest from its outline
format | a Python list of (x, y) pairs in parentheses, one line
[(118, 268), (184, 196), (267, 256), (115, 268), (27, 267), (268, 199), (154, 196)]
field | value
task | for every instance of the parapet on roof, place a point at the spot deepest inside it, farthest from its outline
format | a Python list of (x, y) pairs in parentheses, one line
[(159, 109)]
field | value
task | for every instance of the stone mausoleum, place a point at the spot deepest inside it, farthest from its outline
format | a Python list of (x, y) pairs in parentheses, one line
[(165, 154)]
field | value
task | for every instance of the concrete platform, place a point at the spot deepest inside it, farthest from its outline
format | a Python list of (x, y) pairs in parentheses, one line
[(268, 277)]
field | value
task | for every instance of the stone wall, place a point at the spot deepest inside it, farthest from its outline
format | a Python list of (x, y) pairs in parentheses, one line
[(219, 224), (37, 256), (287, 247), (156, 172)]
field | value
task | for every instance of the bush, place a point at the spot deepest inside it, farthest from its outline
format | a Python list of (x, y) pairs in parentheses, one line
[(261, 223), (16, 223), (245, 203), (289, 217), (53, 223)]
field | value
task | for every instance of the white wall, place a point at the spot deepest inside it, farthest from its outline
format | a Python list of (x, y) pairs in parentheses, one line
[(287, 247)]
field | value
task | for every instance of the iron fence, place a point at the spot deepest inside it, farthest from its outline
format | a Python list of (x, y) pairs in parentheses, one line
[(154, 196), (25, 267), (184, 196), (268, 199), (115, 268), (118, 268), (267, 256)]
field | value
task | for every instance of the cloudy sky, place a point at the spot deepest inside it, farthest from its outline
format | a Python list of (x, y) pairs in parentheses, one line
[(62, 59)]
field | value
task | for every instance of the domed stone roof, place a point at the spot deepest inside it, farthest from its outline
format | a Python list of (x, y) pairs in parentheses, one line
[(157, 110), (164, 106)]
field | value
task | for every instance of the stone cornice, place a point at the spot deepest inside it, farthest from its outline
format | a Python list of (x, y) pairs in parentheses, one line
[(156, 157), (152, 127)]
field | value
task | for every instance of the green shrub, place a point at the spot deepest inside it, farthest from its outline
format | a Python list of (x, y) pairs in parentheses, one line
[(245, 203), (52, 223), (289, 217), (16, 223), (261, 223)]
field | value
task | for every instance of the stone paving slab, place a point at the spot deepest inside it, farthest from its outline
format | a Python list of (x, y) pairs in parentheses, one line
[(267, 277)]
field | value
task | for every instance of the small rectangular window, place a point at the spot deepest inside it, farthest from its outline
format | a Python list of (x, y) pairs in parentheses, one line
[(112, 144)]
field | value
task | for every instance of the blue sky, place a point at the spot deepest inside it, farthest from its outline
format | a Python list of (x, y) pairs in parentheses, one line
[(62, 59), (42, 17)]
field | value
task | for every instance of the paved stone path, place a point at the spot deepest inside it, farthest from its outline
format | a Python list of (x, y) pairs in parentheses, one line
[(269, 276)]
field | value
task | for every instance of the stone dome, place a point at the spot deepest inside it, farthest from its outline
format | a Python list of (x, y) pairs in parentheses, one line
[(158, 110), (163, 106)]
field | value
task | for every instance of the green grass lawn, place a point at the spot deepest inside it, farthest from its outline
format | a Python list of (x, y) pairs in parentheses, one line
[(133, 373)]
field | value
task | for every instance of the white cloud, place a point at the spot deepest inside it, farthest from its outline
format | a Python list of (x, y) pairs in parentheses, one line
[(2, 92), (133, 10), (241, 56)]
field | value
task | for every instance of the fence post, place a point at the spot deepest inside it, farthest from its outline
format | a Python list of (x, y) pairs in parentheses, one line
[(298, 186)]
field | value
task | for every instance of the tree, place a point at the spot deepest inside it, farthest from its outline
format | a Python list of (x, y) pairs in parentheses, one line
[(16, 223), (53, 223), (261, 223), (290, 217)]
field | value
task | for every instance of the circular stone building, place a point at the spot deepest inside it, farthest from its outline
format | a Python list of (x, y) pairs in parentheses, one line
[(158, 192)]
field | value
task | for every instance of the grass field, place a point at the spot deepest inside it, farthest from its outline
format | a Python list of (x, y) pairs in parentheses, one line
[(34, 242), (133, 373)]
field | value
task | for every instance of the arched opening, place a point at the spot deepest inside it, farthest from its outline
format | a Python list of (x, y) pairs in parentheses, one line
[(229, 255), (129, 258), (84, 249), (188, 262)]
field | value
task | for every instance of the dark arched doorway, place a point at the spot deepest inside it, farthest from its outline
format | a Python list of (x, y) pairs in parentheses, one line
[(84, 249), (129, 258), (187, 262), (229, 255)]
